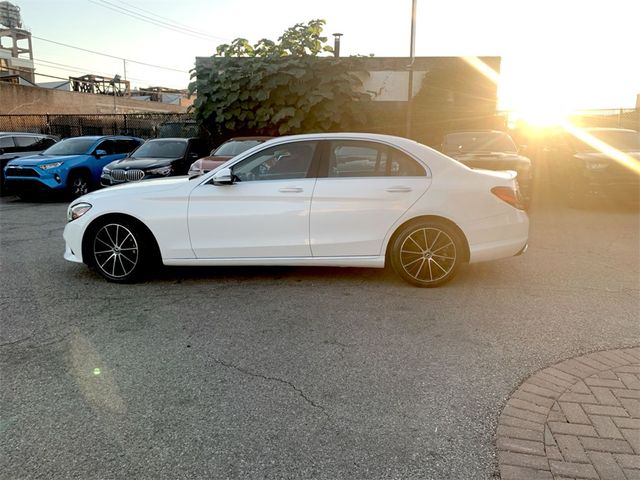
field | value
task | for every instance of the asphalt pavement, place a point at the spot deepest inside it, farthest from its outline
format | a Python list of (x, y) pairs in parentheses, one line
[(297, 373)]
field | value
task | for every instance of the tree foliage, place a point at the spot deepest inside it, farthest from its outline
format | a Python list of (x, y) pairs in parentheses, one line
[(278, 87)]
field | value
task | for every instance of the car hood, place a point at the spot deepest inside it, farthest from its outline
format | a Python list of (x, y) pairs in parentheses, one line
[(491, 159), (35, 160), (136, 189), (141, 163)]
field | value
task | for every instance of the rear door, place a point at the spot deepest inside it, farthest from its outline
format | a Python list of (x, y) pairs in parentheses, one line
[(364, 187)]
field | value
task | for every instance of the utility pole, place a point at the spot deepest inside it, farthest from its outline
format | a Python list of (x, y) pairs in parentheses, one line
[(412, 55)]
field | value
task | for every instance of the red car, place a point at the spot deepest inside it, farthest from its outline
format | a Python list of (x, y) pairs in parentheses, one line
[(224, 152)]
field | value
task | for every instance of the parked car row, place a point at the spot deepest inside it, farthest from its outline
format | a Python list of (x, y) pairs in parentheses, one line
[(78, 165), (75, 166)]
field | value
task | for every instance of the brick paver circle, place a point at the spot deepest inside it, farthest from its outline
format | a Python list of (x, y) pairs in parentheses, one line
[(579, 419)]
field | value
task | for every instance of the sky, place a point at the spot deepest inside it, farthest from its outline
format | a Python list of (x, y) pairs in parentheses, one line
[(556, 54)]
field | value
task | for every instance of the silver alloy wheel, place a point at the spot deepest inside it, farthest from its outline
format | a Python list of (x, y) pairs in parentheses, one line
[(80, 186), (428, 254), (115, 250)]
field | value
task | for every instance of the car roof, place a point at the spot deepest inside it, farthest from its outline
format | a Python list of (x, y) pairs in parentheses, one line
[(105, 137), (172, 139), (29, 134), (262, 137)]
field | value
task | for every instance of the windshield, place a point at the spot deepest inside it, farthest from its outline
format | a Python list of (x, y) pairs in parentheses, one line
[(71, 146), (623, 140), (478, 142), (160, 149), (235, 147)]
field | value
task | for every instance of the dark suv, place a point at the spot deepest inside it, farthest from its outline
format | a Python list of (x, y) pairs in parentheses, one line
[(18, 144), (598, 165), (491, 150), (157, 158)]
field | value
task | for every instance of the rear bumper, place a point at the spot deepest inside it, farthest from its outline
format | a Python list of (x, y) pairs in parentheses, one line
[(499, 236)]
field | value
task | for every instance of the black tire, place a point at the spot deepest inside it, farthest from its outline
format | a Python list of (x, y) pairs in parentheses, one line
[(427, 253), (78, 184), (120, 251)]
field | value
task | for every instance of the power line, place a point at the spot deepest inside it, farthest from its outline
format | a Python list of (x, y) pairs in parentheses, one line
[(71, 68), (145, 18), (108, 55), (174, 22)]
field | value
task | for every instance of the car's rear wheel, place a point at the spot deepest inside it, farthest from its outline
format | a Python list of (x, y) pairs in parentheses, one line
[(78, 184), (427, 254), (120, 251)]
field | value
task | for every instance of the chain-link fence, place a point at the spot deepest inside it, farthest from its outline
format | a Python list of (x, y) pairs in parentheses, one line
[(427, 126), (613, 118), (144, 125)]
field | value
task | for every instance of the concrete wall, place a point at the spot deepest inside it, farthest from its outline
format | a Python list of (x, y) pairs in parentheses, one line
[(18, 99)]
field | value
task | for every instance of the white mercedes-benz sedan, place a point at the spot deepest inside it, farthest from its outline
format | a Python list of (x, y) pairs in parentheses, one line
[(344, 199)]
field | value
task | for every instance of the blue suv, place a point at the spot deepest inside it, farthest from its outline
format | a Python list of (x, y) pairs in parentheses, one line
[(72, 166)]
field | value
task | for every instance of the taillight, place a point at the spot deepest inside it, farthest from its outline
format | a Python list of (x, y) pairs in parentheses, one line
[(509, 195)]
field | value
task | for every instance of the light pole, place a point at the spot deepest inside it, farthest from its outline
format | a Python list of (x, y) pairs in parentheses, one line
[(412, 55)]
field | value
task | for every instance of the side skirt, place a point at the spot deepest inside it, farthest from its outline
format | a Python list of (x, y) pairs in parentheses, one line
[(364, 261)]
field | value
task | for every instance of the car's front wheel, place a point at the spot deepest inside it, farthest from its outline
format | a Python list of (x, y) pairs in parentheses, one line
[(120, 251), (427, 254), (78, 184)]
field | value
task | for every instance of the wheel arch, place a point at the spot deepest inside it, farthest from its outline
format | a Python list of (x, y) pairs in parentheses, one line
[(101, 220), (423, 218)]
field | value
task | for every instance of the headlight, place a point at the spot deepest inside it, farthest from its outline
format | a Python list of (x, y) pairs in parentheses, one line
[(161, 171), (47, 166), (106, 171), (77, 210)]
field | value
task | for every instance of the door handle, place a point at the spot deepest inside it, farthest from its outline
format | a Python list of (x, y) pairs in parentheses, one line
[(290, 189), (399, 188)]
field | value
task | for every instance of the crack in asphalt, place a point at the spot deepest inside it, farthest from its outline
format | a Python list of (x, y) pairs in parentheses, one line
[(274, 379), (48, 341)]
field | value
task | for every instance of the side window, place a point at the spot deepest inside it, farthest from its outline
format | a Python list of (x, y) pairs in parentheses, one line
[(42, 143), (349, 158), (124, 146), (46, 143), (6, 143), (402, 165), (26, 144), (106, 145), (277, 163)]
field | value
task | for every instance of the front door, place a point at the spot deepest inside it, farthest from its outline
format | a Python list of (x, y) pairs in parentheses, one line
[(264, 213)]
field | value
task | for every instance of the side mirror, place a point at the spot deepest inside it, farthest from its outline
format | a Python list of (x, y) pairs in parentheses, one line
[(99, 153), (223, 177)]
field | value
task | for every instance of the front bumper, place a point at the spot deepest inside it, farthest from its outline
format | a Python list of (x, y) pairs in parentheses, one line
[(72, 235), (33, 180)]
